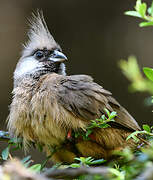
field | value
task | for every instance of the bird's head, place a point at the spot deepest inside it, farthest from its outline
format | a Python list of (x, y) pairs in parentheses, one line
[(41, 54)]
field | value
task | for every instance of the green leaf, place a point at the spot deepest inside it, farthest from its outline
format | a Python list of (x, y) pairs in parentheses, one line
[(104, 125), (27, 163), (15, 141), (148, 72), (138, 4), (117, 173), (89, 131), (35, 167), (132, 13), (75, 165), (103, 117), (99, 161), (112, 115), (150, 10), (133, 135), (145, 24), (78, 159), (5, 153), (89, 159), (107, 112), (24, 160), (141, 8), (146, 128)]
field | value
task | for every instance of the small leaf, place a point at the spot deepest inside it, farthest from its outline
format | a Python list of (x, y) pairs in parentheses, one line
[(113, 114), (26, 164), (136, 139), (132, 13), (150, 10), (89, 159), (78, 159), (103, 117), (24, 160), (99, 161), (148, 72), (142, 9), (35, 167), (133, 135), (117, 173), (75, 165), (107, 112), (89, 131), (138, 4), (5, 153), (104, 125), (146, 128), (15, 140), (145, 24)]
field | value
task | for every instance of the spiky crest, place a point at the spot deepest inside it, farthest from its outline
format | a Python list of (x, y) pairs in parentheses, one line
[(39, 35)]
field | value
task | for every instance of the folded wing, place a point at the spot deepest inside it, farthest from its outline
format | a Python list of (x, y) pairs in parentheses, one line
[(87, 100)]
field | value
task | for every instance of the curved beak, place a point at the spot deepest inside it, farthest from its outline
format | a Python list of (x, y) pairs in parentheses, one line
[(57, 56)]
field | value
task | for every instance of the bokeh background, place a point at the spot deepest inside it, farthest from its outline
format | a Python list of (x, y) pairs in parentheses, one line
[(94, 35)]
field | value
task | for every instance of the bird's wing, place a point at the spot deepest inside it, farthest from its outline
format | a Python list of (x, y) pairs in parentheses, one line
[(87, 100)]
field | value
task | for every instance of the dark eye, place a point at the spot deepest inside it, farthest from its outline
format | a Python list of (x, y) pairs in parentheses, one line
[(59, 50), (39, 54)]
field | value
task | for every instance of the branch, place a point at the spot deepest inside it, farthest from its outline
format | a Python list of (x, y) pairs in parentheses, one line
[(146, 175), (15, 170), (75, 172)]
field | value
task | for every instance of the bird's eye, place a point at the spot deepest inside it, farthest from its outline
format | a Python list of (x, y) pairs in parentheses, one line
[(39, 54)]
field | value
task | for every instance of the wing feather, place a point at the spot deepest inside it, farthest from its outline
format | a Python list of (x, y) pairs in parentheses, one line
[(86, 99)]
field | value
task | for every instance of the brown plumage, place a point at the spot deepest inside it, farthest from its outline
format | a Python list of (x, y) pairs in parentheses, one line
[(47, 103)]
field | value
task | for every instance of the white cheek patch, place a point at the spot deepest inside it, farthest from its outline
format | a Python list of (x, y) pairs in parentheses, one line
[(27, 66)]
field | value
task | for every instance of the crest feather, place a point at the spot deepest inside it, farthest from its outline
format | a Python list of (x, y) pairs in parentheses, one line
[(39, 35)]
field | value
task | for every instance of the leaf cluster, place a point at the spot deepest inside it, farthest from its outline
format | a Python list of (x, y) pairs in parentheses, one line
[(131, 70), (103, 122), (142, 12)]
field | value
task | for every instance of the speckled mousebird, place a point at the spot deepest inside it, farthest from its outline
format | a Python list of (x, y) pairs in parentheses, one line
[(49, 105)]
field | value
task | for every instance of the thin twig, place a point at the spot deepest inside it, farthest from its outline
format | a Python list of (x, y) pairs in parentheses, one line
[(144, 141)]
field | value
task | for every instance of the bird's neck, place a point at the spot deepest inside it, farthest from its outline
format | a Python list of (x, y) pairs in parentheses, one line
[(29, 80)]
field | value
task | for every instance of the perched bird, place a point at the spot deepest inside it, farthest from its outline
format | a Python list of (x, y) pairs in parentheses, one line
[(48, 106)]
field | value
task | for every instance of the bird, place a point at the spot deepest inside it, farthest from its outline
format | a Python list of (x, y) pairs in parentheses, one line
[(48, 106)]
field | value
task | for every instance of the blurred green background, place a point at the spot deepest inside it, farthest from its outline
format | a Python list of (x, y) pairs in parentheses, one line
[(94, 35)]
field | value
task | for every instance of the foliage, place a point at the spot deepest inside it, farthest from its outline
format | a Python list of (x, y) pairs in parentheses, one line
[(142, 12), (129, 165), (132, 71), (86, 162), (98, 123)]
